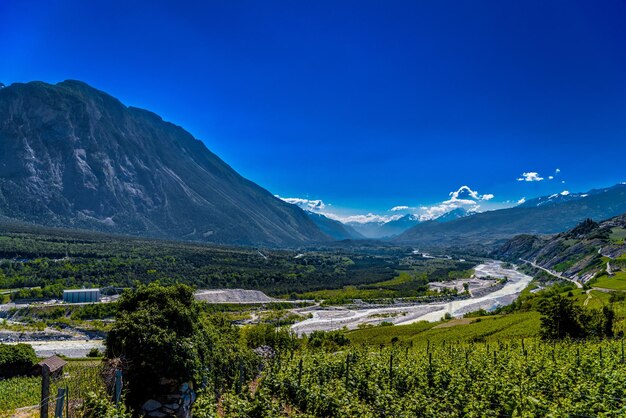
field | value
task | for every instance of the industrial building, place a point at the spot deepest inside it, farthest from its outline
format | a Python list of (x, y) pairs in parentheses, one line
[(81, 296)]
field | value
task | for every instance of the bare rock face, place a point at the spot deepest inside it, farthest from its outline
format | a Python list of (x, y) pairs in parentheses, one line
[(73, 156)]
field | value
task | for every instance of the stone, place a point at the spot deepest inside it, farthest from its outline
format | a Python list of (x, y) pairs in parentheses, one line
[(151, 405), (157, 414)]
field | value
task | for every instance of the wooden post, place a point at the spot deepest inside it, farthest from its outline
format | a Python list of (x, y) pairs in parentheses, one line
[(239, 384), (300, 372), (45, 391), (622, 349), (118, 388), (348, 371), (601, 362), (391, 370), (58, 410)]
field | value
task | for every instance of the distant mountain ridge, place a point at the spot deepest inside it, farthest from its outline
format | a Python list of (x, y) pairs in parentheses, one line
[(382, 229), (493, 227), (73, 156), (333, 228)]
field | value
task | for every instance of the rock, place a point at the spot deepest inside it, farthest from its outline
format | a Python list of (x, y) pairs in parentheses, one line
[(157, 414), (151, 405), (265, 351), (171, 406)]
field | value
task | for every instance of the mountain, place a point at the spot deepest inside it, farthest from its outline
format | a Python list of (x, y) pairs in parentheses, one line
[(333, 228), (581, 253), (493, 227), (378, 230), (452, 215), (73, 156)]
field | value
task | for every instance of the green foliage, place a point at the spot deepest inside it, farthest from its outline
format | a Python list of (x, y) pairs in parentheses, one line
[(158, 334), (55, 259), (561, 318), (94, 352), (281, 338), (452, 380), (99, 405), (16, 360), (328, 340), (161, 333)]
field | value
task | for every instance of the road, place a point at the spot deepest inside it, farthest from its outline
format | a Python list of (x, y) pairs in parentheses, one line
[(327, 319), (554, 273)]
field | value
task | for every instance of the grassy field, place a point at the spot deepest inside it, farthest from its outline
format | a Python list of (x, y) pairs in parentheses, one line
[(488, 328), (24, 392), (618, 235), (616, 282)]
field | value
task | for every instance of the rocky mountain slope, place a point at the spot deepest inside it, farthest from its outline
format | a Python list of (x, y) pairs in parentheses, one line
[(581, 253), (73, 156), (494, 227), (333, 228)]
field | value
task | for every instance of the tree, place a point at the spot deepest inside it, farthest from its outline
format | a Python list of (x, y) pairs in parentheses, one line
[(158, 335), (161, 334), (559, 318), (562, 319), (16, 360)]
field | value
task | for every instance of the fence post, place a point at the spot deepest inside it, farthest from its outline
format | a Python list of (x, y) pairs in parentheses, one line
[(622, 349), (45, 391), (58, 411), (391, 371), (118, 387), (241, 377), (300, 372)]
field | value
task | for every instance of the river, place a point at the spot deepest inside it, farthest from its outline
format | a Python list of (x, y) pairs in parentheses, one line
[(326, 319)]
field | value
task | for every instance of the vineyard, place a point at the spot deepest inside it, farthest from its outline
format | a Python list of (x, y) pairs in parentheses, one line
[(504, 379), (24, 393)]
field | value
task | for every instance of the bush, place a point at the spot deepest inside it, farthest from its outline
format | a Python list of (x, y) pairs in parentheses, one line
[(98, 405), (16, 360), (329, 340), (562, 319), (94, 352), (160, 334), (266, 334)]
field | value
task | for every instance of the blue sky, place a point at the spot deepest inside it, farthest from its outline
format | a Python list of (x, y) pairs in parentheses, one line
[(365, 105)]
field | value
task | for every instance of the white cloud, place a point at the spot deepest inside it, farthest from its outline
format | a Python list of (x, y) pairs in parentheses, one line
[(306, 204), (564, 193), (530, 176), (521, 201), (558, 170), (466, 192), (550, 177), (464, 197), (362, 219)]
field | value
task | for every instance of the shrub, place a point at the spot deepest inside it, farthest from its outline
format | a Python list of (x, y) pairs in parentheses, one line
[(16, 360), (161, 335), (94, 352)]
